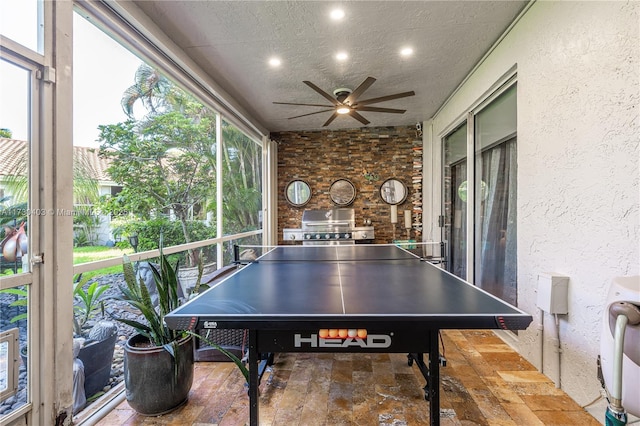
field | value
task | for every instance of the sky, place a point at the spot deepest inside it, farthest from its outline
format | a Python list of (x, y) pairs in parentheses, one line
[(102, 72)]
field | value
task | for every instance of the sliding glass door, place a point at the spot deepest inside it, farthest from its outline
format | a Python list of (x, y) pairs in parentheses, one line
[(455, 200), (486, 191)]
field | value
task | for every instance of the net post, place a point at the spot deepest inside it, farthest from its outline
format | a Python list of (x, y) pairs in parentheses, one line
[(236, 254)]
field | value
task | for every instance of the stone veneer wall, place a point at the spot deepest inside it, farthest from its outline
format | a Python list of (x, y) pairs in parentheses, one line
[(365, 156)]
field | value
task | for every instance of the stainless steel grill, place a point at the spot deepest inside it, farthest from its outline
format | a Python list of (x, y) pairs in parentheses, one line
[(329, 227)]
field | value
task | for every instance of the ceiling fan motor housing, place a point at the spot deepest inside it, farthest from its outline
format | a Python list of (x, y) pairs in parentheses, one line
[(342, 93)]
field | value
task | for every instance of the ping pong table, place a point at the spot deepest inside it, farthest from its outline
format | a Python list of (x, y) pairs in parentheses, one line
[(376, 298)]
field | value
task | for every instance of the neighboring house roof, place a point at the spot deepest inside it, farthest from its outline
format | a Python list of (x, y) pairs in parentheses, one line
[(97, 165), (13, 154)]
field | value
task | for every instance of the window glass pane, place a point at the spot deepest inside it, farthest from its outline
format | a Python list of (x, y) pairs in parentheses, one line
[(20, 21), (495, 186), (497, 121), (242, 176), (455, 200)]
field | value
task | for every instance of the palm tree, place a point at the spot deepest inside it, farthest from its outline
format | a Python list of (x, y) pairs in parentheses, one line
[(156, 93), (242, 158)]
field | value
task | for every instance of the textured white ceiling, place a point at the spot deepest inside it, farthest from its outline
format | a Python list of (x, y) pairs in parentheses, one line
[(233, 41)]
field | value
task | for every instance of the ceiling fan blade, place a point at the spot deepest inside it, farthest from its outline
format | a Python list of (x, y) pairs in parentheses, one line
[(359, 90), (376, 109), (386, 98), (311, 113), (291, 103), (330, 98), (359, 117), (333, 117)]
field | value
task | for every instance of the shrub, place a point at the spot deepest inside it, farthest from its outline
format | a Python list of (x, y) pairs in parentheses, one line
[(148, 232)]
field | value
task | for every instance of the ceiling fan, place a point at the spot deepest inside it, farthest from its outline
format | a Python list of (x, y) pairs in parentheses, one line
[(345, 101)]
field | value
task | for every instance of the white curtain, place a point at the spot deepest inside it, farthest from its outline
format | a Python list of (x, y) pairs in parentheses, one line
[(496, 232)]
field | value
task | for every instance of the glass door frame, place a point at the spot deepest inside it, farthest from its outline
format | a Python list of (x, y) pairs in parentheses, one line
[(50, 372), (33, 63), (504, 84)]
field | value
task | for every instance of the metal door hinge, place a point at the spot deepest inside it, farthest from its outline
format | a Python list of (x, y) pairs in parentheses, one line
[(36, 259), (440, 221)]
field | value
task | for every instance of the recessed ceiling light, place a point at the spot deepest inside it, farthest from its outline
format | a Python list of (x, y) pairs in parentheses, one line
[(341, 56), (275, 62), (407, 51), (337, 14)]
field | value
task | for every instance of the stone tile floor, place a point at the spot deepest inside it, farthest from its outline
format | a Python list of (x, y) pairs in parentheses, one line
[(484, 383)]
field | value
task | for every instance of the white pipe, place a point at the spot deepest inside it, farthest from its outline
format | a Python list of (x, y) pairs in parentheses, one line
[(559, 350), (618, 342), (540, 327)]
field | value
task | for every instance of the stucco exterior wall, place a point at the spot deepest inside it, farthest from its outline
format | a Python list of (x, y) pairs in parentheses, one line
[(578, 72)]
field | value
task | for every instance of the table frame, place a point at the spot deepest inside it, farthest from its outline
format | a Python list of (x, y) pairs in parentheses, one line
[(263, 341)]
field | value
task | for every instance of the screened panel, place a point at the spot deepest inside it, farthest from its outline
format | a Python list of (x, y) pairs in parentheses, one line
[(15, 212), (19, 92), (14, 305), (242, 177), (162, 158)]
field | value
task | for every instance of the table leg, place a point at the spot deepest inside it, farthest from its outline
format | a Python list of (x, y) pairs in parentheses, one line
[(434, 378), (253, 377)]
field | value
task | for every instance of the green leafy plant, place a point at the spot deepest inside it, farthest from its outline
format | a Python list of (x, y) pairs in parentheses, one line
[(237, 361), (88, 303), (137, 295), (20, 301)]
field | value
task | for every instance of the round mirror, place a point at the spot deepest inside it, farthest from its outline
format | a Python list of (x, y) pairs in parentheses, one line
[(393, 191), (297, 193), (342, 192)]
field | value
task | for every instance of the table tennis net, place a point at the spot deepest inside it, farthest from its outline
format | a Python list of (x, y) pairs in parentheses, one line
[(433, 252)]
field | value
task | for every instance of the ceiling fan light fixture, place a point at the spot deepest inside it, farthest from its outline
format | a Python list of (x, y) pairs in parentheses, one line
[(407, 51), (343, 110), (337, 14), (275, 62)]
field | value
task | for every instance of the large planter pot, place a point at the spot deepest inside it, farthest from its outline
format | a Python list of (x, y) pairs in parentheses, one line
[(157, 383), (188, 277), (97, 358)]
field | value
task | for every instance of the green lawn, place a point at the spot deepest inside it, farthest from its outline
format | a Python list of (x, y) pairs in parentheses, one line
[(93, 253)]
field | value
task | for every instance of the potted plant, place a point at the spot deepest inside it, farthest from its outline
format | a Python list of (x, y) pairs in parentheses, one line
[(99, 340), (158, 361)]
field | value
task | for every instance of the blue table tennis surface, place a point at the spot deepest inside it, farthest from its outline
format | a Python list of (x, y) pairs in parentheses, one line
[(348, 283)]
